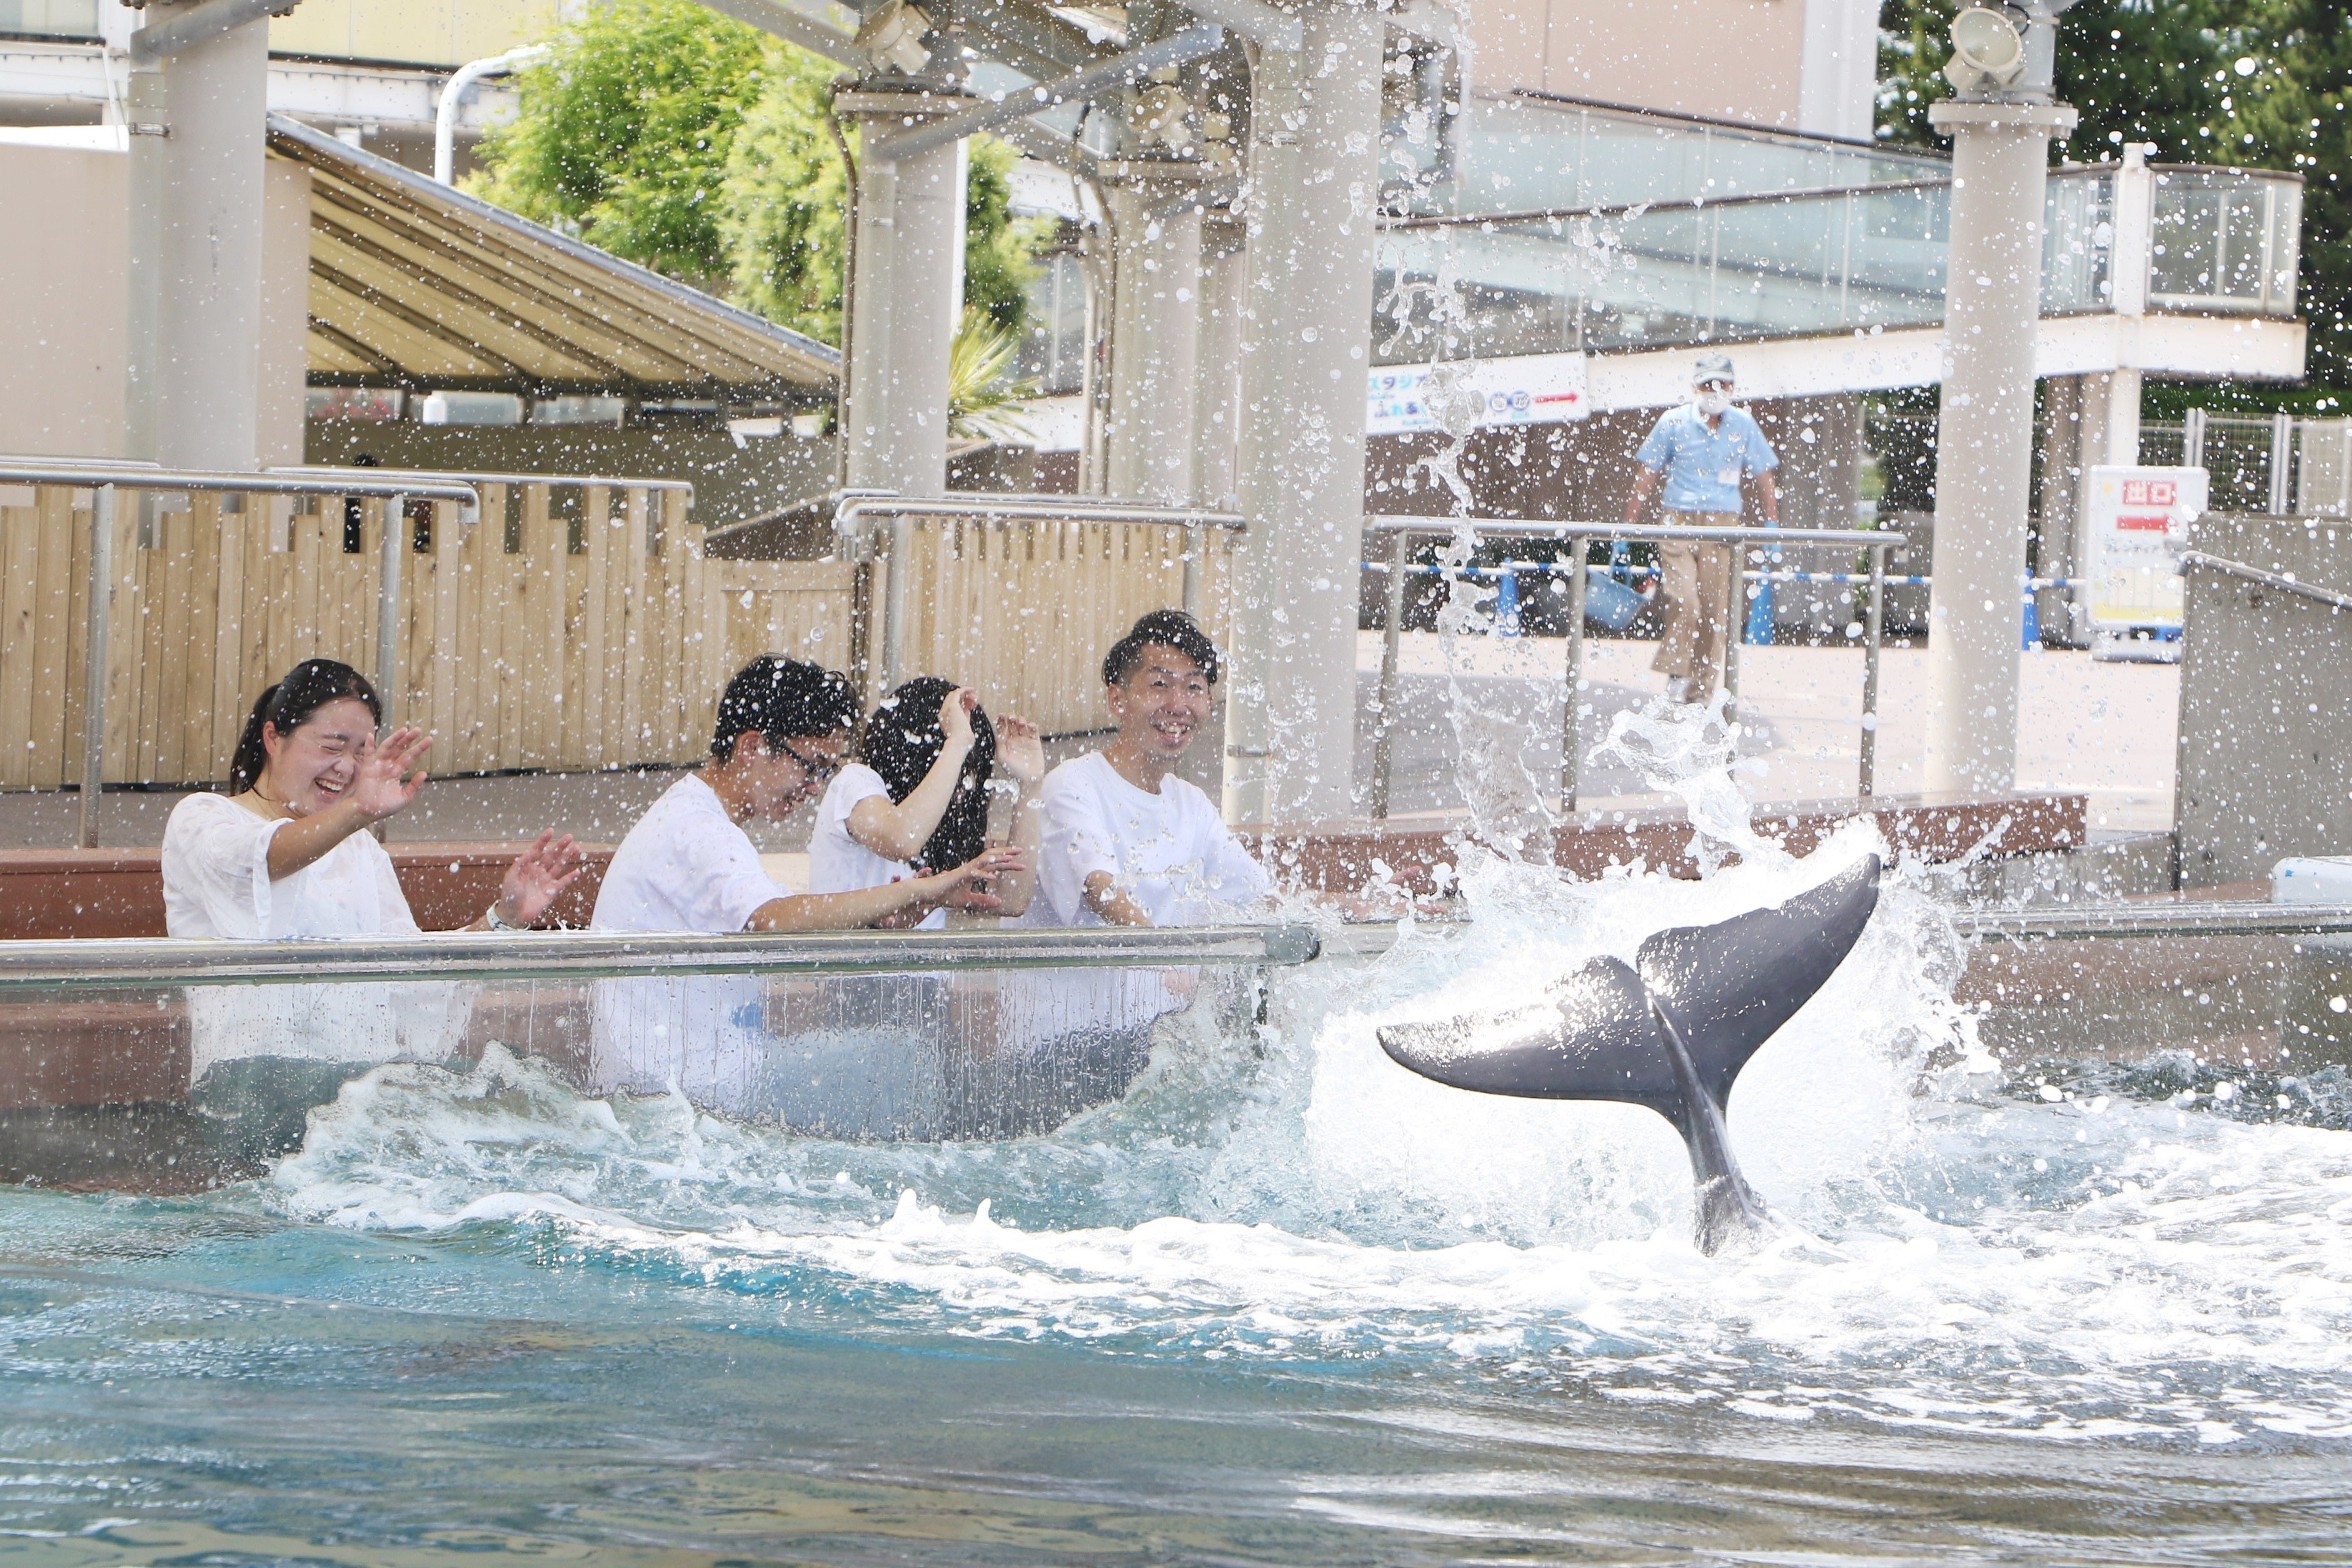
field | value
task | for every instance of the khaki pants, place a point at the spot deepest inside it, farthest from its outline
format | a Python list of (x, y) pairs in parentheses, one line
[(1696, 580)]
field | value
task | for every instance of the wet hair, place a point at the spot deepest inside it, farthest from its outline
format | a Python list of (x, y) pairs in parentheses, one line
[(308, 686), (903, 738), (1170, 628), (783, 700)]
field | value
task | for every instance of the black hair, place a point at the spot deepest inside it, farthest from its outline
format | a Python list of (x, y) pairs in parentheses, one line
[(903, 738), (308, 686), (783, 700), (1169, 628)]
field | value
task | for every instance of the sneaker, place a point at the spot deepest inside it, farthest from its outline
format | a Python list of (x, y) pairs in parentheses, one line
[(1678, 690)]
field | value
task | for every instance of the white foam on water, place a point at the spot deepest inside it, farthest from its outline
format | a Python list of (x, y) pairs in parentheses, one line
[(1948, 1258)]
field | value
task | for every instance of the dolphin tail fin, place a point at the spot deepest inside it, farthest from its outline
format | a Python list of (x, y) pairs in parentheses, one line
[(1729, 987)]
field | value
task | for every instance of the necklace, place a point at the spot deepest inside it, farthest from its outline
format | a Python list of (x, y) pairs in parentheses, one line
[(277, 805)]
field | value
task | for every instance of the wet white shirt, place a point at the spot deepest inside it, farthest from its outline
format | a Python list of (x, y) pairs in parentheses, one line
[(685, 865), (838, 862), (216, 880), (216, 884), (1170, 851)]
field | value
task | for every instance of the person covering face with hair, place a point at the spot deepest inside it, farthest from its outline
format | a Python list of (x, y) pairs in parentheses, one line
[(688, 866), (1126, 841), (285, 854), (917, 799), (1701, 451)]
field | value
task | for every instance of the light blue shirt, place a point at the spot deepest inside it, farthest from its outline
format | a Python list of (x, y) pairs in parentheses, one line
[(1704, 467)]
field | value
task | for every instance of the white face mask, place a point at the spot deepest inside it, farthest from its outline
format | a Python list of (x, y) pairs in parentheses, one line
[(1713, 401)]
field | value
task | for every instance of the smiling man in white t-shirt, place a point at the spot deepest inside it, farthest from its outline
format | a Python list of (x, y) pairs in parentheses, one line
[(1126, 842)]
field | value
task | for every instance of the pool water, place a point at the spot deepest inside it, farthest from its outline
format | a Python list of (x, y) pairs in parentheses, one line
[(1284, 1303)]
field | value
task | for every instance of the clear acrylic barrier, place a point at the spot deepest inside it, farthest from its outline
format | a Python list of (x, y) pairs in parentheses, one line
[(168, 1064)]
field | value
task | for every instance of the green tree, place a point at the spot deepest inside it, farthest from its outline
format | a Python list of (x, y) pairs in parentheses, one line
[(684, 142), (623, 131), (782, 204), (2257, 83)]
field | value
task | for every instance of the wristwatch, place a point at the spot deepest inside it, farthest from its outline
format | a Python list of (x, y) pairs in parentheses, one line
[(496, 921)]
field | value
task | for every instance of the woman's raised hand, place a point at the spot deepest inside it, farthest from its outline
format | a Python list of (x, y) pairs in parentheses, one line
[(1020, 748), (537, 875), (390, 772), (955, 715)]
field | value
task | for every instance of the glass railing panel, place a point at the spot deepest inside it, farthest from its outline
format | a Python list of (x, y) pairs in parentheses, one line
[(2078, 240), (1521, 154), (110, 1078), (1681, 273), (2225, 239), (1665, 276)]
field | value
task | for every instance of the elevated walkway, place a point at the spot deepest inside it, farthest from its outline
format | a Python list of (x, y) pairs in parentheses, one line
[(1589, 247)]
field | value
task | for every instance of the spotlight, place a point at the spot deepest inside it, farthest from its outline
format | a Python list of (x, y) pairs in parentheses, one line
[(1987, 49)]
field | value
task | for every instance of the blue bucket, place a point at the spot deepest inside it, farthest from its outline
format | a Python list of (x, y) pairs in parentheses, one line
[(1609, 603)]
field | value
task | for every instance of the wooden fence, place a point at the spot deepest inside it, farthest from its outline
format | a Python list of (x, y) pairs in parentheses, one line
[(577, 625), (1025, 609)]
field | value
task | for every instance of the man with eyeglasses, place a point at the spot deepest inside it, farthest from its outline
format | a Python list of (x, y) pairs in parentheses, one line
[(688, 866), (1701, 451)]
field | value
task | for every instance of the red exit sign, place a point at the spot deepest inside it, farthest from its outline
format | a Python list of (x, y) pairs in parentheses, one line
[(2145, 523), (2149, 492)]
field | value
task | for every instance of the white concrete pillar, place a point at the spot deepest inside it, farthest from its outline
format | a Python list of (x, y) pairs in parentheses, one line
[(2122, 433), (907, 296), (196, 359), (1984, 442), (1217, 394), (1155, 329), (1312, 189)]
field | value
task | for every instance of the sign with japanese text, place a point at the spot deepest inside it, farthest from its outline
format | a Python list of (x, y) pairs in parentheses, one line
[(2135, 526)]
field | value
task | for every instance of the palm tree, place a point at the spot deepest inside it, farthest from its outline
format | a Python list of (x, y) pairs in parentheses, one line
[(984, 396)]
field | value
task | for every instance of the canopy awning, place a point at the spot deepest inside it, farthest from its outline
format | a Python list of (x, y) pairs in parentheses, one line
[(416, 285)]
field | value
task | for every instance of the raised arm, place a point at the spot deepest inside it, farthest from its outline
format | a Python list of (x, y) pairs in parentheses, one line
[(1022, 750), (381, 785), (898, 832), (863, 907)]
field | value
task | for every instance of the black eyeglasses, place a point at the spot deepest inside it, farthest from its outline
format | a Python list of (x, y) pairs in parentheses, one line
[(817, 768)]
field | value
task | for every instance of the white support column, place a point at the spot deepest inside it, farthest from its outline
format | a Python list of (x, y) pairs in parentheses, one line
[(1155, 329), (908, 295), (1984, 442), (196, 297), (1313, 185), (2128, 259), (1216, 409)]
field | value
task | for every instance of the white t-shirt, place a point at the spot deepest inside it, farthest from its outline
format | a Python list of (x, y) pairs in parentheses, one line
[(1170, 851), (838, 862), (685, 867), (216, 884), (216, 880)]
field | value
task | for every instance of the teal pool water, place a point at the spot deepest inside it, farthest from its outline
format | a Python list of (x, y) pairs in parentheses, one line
[(1285, 1303)]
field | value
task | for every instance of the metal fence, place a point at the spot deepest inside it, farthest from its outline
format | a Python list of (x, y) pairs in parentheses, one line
[(1573, 538)]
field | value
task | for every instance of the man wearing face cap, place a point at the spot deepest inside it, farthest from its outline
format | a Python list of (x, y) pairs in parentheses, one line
[(1702, 451)]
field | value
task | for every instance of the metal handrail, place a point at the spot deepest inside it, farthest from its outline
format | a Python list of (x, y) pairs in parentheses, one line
[(443, 476), (2285, 585), (102, 480), (1574, 535), (1638, 532), (901, 511), (2217, 918), (150, 963), (2073, 923), (141, 477)]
